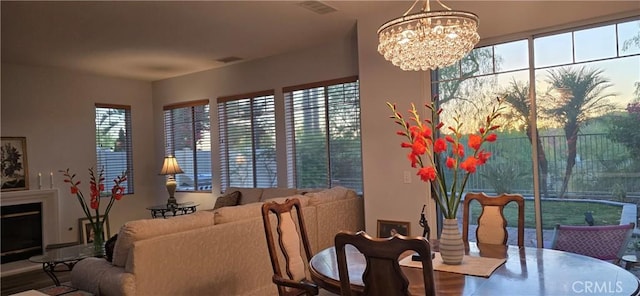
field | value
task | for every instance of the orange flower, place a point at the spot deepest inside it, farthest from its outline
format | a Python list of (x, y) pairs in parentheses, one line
[(427, 174), (451, 163), (422, 139), (419, 147), (475, 141), (460, 150), (483, 156), (469, 164), (439, 146)]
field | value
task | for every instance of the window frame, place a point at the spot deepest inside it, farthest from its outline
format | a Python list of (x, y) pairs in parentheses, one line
[(225, 175), (129, 184), (292, 169), (170, 143)]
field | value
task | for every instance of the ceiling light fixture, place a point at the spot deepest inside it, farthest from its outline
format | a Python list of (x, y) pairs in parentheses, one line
[(428, 40)]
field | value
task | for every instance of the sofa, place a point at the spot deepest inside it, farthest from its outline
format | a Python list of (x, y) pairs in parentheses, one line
[(213, 252)]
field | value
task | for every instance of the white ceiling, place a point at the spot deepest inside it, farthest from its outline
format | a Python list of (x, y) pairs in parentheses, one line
[(153, 40)]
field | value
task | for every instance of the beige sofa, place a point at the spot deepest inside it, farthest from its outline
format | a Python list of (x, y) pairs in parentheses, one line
[(221, 252)]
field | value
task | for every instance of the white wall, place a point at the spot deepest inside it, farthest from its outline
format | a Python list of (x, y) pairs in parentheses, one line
[(387, 197), (327, 61), (54, 110)]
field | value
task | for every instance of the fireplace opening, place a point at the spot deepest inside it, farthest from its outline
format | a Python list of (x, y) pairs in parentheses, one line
[(21, 231)]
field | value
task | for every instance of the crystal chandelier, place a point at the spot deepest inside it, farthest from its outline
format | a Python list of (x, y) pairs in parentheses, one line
[(428, 40)]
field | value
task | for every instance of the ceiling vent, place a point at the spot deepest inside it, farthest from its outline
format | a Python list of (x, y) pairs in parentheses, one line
[(229, 59), (317, 7)]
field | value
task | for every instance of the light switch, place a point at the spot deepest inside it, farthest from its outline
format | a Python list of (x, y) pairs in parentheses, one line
[(407, 177)]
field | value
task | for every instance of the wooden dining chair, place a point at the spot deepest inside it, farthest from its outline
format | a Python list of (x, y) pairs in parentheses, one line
[(492, 225), (605, 242), (382, 275), (291, 235)]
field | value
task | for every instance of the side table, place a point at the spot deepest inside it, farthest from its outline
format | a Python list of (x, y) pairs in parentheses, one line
[(179, 209), (67, 256)]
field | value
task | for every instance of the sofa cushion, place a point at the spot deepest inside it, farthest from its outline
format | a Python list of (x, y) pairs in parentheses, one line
[(304, 200), (268, 193), (329, 195), (230, 199), (241, 212), (247, 195), (147, 228)]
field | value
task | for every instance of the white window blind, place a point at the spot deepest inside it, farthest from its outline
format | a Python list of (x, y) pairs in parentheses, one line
[(188, 137), (114, 149), (247, 140), (323, 134)]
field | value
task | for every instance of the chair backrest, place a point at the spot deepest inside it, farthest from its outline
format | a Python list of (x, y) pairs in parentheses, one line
[(606, 242), (492, 225), (382, 275), (291, 236)]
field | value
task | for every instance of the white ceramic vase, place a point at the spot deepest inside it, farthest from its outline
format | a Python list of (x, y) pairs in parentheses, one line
[(451, 245)]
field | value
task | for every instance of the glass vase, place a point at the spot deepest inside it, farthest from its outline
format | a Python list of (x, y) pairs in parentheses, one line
[(98, 238)]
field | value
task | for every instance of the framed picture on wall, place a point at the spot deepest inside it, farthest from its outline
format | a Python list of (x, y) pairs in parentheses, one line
[(86, 231), (388, 228), (14, 172)]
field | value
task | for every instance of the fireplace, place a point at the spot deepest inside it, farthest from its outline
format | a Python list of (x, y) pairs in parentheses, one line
[(48, 232), (21, 231)]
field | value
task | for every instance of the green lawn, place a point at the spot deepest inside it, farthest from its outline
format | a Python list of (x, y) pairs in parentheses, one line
[(558, 212)]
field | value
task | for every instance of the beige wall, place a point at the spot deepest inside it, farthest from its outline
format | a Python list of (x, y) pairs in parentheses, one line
[(54, 110), (327, 61), (387, 196)]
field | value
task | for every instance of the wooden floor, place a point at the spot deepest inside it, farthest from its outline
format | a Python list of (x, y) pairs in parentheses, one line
[(35, 279)]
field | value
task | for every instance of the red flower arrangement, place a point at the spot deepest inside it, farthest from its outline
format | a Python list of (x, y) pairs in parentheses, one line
[(424, 145), (96, 187)]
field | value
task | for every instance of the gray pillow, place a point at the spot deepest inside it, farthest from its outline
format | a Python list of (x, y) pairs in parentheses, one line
[(229, 199)]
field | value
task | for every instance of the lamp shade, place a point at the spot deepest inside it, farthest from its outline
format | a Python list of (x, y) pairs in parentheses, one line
[(170, 166)]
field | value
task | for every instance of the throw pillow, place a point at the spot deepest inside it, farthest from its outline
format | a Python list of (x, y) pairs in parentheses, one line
[(108, 247), (229, 199)]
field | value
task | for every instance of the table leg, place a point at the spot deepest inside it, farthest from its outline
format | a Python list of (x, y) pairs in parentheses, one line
[(48, 268)]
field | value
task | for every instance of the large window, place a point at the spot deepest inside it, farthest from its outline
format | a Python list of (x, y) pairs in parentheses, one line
[(323, 134), (188, 138), (585, 124), (114, 150), (247, 140)]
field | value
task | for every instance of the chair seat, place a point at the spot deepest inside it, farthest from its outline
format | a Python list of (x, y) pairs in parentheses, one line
[(605, 242)]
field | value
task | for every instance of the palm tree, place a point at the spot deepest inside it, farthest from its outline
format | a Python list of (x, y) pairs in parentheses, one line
[(582, 96), (518, 97)]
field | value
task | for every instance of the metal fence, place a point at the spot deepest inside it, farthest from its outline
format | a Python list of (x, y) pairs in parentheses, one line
[(603, 168)]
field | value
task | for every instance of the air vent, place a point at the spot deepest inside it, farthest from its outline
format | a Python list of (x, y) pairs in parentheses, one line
[(317, 7), (229, 59)]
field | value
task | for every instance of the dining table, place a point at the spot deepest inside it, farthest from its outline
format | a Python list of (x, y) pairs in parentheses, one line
[(525, 271)]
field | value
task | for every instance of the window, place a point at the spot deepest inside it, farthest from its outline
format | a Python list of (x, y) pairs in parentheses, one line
[(248, 140), (188, 138), (587, 88), (114, 150), (323, 134)]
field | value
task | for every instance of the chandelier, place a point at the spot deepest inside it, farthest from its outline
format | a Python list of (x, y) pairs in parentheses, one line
[(428, 40)]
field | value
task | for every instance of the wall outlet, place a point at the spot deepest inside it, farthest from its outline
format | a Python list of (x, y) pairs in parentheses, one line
[(407, 177)]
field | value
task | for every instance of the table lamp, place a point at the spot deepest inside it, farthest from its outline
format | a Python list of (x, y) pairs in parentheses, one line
[(170, 168)]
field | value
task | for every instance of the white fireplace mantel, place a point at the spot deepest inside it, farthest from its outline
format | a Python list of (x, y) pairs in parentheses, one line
[(50, 218)]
